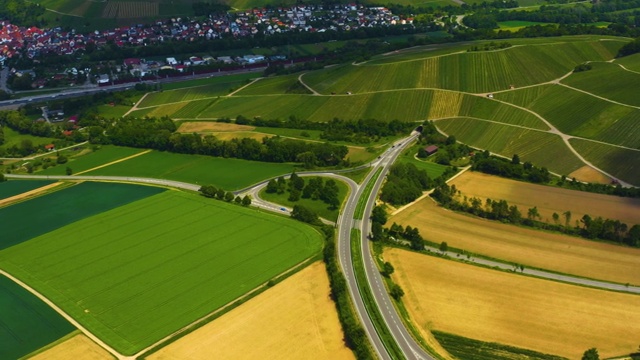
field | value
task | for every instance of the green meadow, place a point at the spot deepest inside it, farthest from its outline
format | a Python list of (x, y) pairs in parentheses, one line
[(103, 155), (140, 272), (229, 174), (11, 188)]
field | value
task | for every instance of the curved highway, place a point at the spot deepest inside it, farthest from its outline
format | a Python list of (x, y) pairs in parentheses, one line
[(346, 221)]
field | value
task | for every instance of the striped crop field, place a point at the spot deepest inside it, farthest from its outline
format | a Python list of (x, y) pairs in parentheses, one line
[(609, 81), (482, 108), (138, 273), (476, 72), (631, 62), (188, 94), (621, 163), (522, 97), (540, 148), (26, 323), (271, 85), (230, 174), (105, 154), (15, 187)]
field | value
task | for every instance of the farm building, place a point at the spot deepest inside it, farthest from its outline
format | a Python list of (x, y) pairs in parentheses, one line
[(431, 149)]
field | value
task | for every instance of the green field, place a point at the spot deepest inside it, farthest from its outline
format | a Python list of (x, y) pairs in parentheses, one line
[(580, 114), (64, 207), (317, 206), (540, 148), (26, 323), (15, 187), (274, 85), (621, 163), (136, 274), (12, 137), (609, 81), (210, 81), (222, 86), (229, 174), (433, 170), (106, 154), (405, 105), (631, 62), (476, 72), (515, 25)]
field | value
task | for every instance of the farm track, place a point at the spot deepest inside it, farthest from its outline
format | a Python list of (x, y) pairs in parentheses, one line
[(307, 86)]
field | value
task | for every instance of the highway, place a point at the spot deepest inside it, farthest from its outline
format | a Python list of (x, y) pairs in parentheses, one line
[(346, 222)]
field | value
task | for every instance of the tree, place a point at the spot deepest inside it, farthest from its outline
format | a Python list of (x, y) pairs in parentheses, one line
[(246, 200), (387, 269), (515, 159), (304, 214), (396, 292), (296, 182), (307, 158), (228, 197), (69, 171), (220, 194), (567, 218), (533, 213), (281, 182), (444, 247), (591, 354), (272, 187), (294, 195), (378, 215), (556, 218), (237, 200), (2, 178)]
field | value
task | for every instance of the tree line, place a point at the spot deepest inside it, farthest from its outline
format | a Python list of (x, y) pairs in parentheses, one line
[(315, 189), (212, 192), (587, 227), (21, 12)]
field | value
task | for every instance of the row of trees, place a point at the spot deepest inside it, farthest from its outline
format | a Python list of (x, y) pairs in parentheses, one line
[(212, 192), (315, 189), (588, 227), (513, 169), (159, 134)]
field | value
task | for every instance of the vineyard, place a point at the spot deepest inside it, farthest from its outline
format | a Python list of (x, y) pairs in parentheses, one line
[(476, 72), (631, 62), (158, 264), (271, 85), (522, 97), (130, 9), (189, 94), (540, 148), (609, 81), (621, 163)]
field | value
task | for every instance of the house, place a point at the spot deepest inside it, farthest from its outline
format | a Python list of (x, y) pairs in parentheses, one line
[(131, 61), (172, 61), (49, 147), (103, 79), (431, 149)]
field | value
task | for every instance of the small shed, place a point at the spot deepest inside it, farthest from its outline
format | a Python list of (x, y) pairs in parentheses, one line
[(431, 149), (49, 147)]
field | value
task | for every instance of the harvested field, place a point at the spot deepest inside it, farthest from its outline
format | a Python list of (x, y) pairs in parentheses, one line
[(515, 310), (226, 136), (589, 174), (548, 199), (556, 252), (296, 319), (210, 126), (78, 347)]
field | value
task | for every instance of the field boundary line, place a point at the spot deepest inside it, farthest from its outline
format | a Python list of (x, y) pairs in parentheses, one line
[(242, 87), (43, 154), (237, 302), (599, 97), (135, 106), (625, 69), (114, 162), (68, 317), (28, 194)]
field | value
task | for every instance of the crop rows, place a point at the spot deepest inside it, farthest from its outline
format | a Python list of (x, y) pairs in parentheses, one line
[(194, 93), (523, 97), (609, 81), (271, 85), (154, 266), (631, 62), (540, 148), (15, 187), (472, 72), (621, 163)]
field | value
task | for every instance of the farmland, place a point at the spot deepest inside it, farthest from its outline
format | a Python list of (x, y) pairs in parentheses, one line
[(609, 81), (532, 248), (622, 163), (230, 174), (295, 319), (158, 264), (105, 154), (514, 310), (476, 72), (71, 204), (211, 126), (549, 199), (631, 62), (17, 187), (273, 85), (26, 323), (215, 88), (76, 347), (530, 145)]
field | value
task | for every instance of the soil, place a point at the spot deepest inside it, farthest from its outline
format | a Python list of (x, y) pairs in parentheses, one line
[(210, 126)]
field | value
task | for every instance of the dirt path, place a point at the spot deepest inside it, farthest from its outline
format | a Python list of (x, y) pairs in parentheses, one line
[(28, 194), (44, 154), (599, 97), (114, 162), (66, 316), (135, 106), (307, 86), (242, 87)]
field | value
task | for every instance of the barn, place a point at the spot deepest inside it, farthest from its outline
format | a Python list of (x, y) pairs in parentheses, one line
[(431, 149)]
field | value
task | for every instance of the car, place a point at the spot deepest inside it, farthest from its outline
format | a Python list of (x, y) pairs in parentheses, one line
[(283, 209)]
